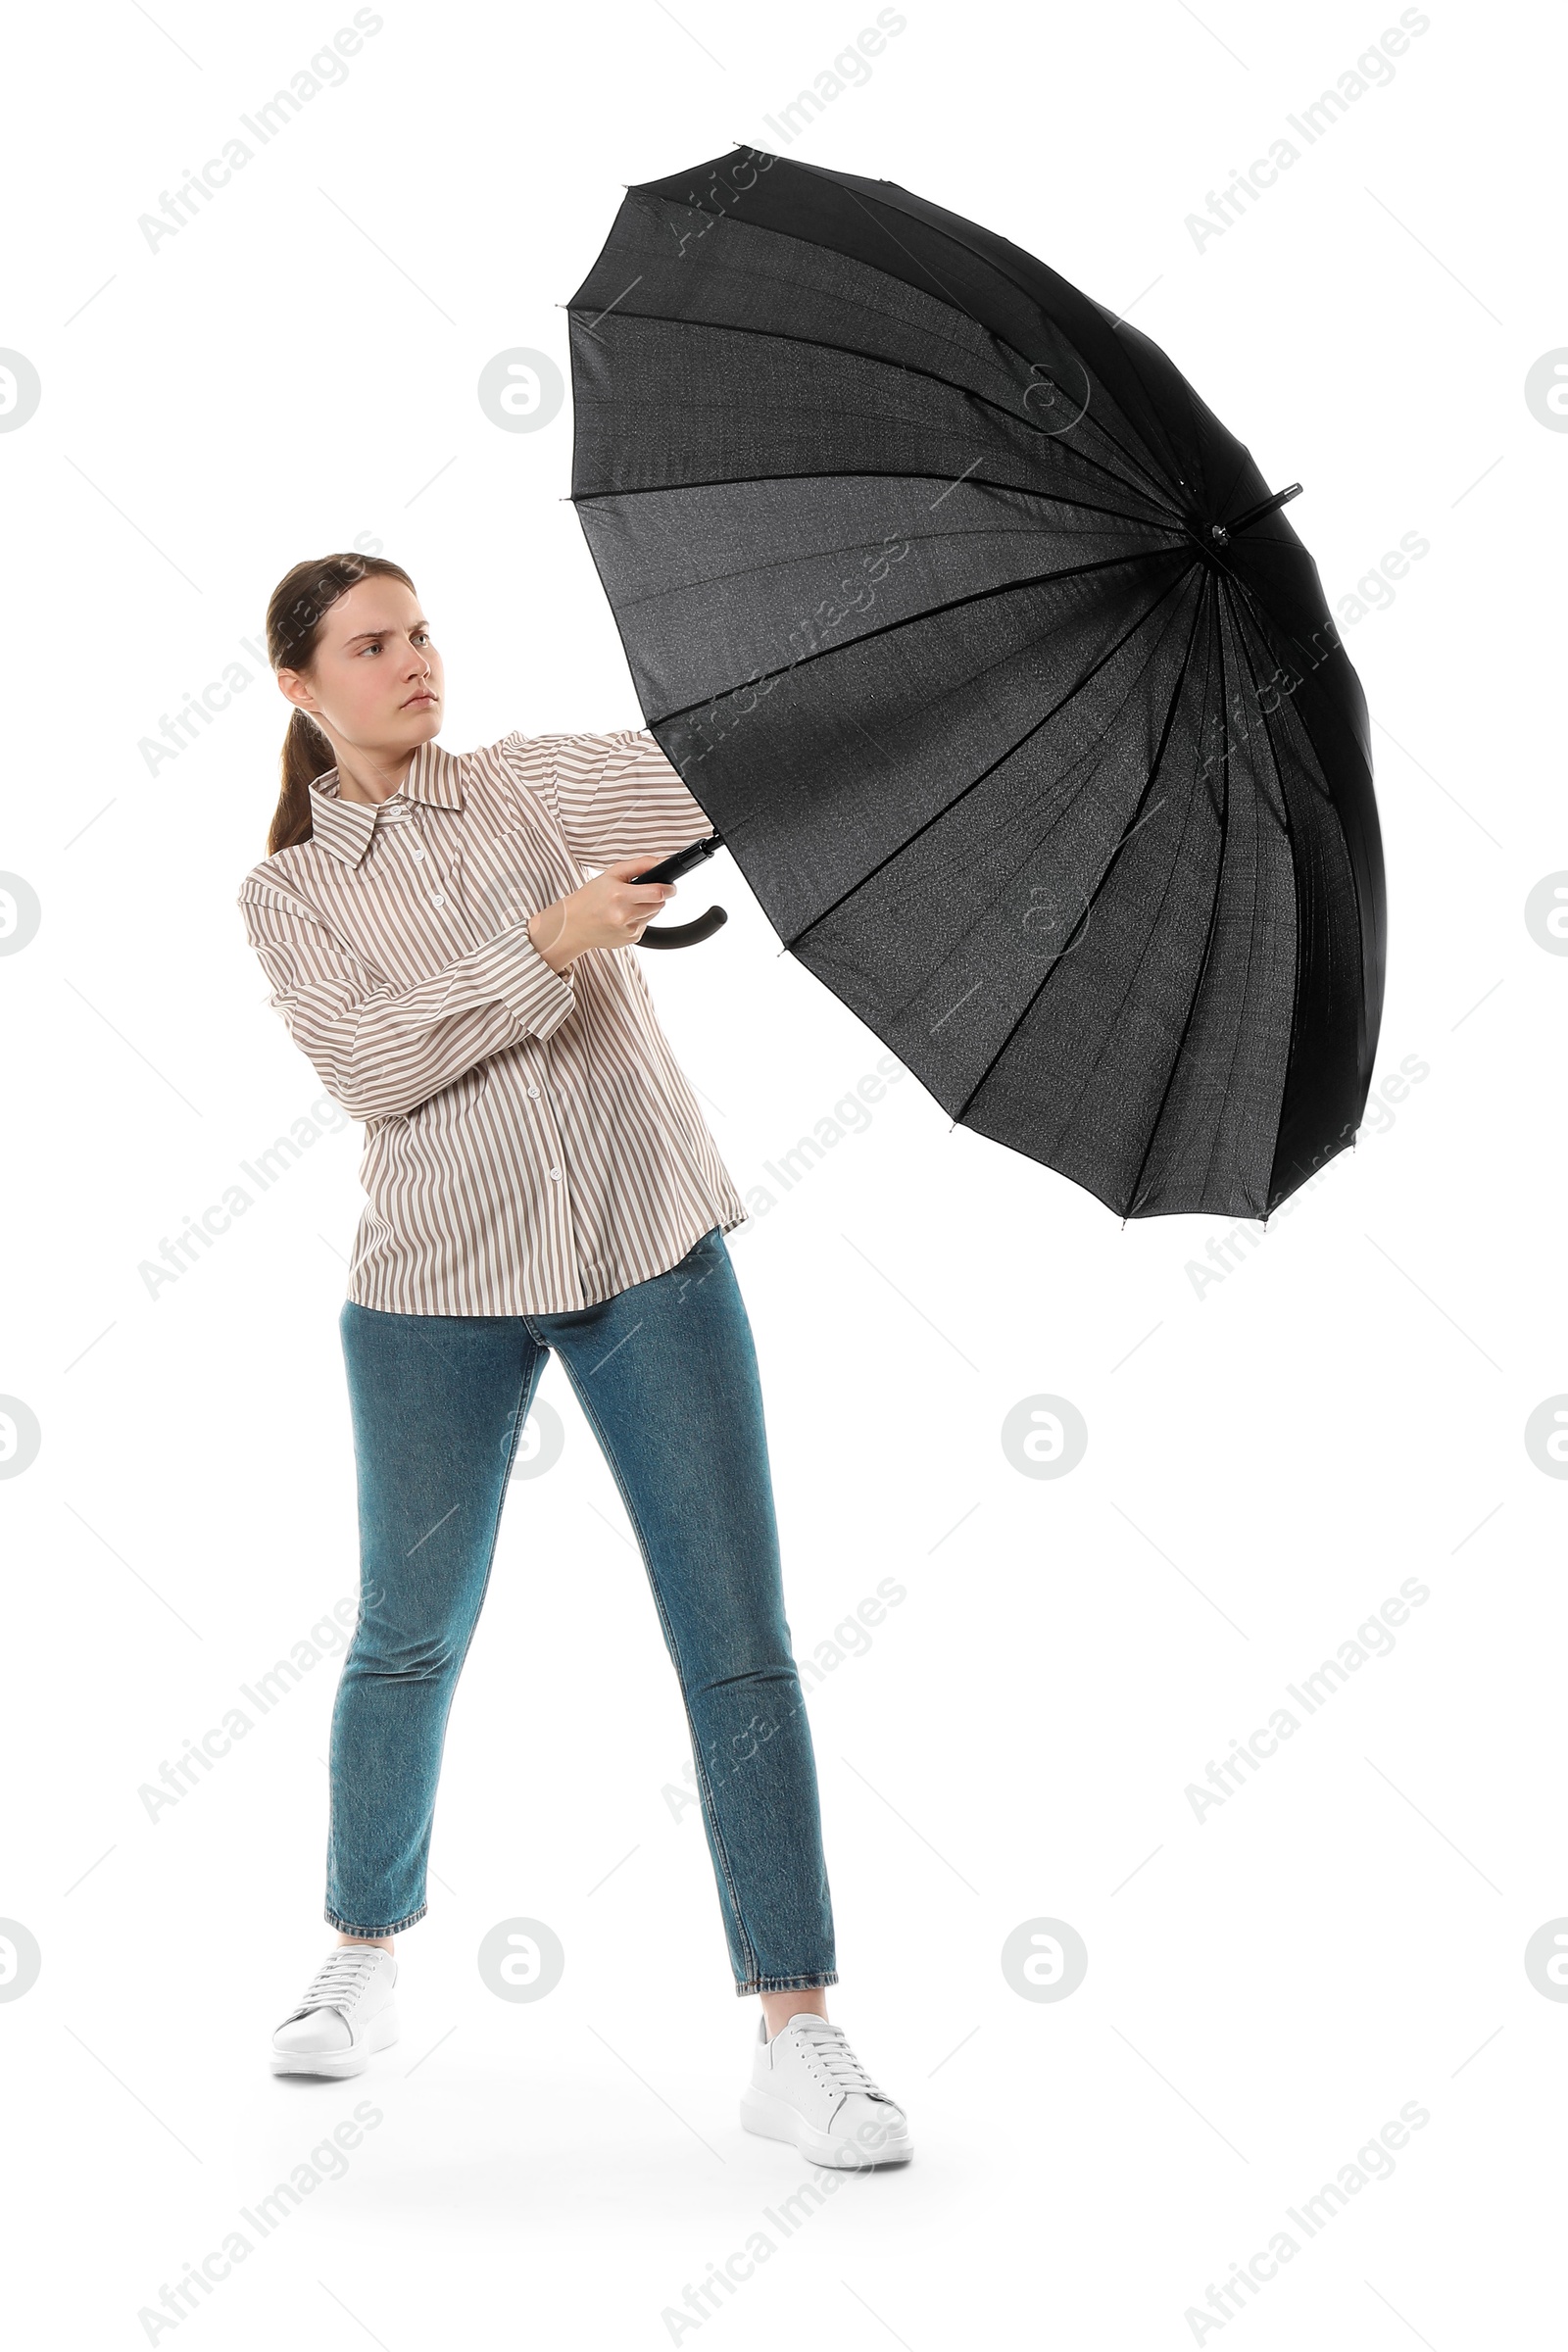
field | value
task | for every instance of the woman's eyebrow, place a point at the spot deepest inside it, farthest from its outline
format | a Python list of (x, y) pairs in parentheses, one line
[(365, 634)]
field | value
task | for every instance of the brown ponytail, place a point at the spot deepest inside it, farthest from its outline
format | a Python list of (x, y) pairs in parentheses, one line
[(294, 616)]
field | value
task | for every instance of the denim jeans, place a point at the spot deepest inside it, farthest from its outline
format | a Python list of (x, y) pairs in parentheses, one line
[(666, 1373)]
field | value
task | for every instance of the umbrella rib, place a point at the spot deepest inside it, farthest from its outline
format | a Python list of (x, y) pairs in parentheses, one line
[(1240, 613), (1082, 760), (1000, 341), (1290, 835), (792, 237), (991, 263), (1073, 572), (1273, 635), (1230, 585), (756, 571), (1252, 929), (874, 474), (1171, 875), (769, 334), (1057, 963), (1002, 757), (1262, 620), (1211, 594)]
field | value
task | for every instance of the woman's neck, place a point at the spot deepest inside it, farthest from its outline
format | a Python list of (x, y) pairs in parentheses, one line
[(371, 783)]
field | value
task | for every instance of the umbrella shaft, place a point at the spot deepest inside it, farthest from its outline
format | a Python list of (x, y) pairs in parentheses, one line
[(1227, 531)]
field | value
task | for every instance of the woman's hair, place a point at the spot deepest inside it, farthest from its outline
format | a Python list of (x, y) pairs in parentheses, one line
[(294, 616)]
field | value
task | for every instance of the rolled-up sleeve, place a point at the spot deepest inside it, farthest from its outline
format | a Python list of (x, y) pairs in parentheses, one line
[(617, 796), (381, 1051)]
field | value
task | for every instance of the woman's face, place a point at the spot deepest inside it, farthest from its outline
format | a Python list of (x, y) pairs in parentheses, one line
[(375, 682)]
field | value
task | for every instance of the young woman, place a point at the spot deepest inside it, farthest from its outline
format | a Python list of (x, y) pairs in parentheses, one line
[(537, 1175)]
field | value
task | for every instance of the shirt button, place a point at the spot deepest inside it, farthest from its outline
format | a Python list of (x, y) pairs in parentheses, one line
[(417, 851), (436, 900), (533, 1090), (556, 1172)]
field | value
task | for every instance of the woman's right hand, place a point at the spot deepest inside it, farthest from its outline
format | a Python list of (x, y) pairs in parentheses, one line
[(609, 911)]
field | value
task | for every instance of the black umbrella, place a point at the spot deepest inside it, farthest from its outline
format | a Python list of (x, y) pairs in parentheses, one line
[(994, 665)]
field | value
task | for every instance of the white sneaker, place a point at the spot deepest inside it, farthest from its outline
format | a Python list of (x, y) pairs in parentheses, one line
[(348, 2012), (809, 2086)]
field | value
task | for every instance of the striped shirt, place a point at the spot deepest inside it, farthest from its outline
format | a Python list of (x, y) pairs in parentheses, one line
[(530, 1142)]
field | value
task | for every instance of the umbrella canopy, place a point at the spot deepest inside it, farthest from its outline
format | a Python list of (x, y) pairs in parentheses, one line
[(985, 648)]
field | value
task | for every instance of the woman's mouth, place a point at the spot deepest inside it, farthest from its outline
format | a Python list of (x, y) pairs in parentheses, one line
[(415, 702)]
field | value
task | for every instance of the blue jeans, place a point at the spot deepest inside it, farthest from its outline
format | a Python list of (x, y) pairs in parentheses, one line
[(667, 1375)]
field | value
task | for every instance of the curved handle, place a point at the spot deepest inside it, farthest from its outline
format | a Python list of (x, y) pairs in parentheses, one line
[(682, 935)]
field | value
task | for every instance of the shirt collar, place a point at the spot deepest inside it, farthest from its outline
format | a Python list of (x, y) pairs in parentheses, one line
[(346, 827)]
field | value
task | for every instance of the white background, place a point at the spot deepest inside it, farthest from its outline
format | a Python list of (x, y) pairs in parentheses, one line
[(1269, 1457)]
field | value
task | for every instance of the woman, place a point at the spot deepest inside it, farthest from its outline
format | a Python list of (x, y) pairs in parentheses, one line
[(537, 1175)]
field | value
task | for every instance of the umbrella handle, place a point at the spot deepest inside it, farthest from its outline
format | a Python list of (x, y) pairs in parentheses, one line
[(682, 935)]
